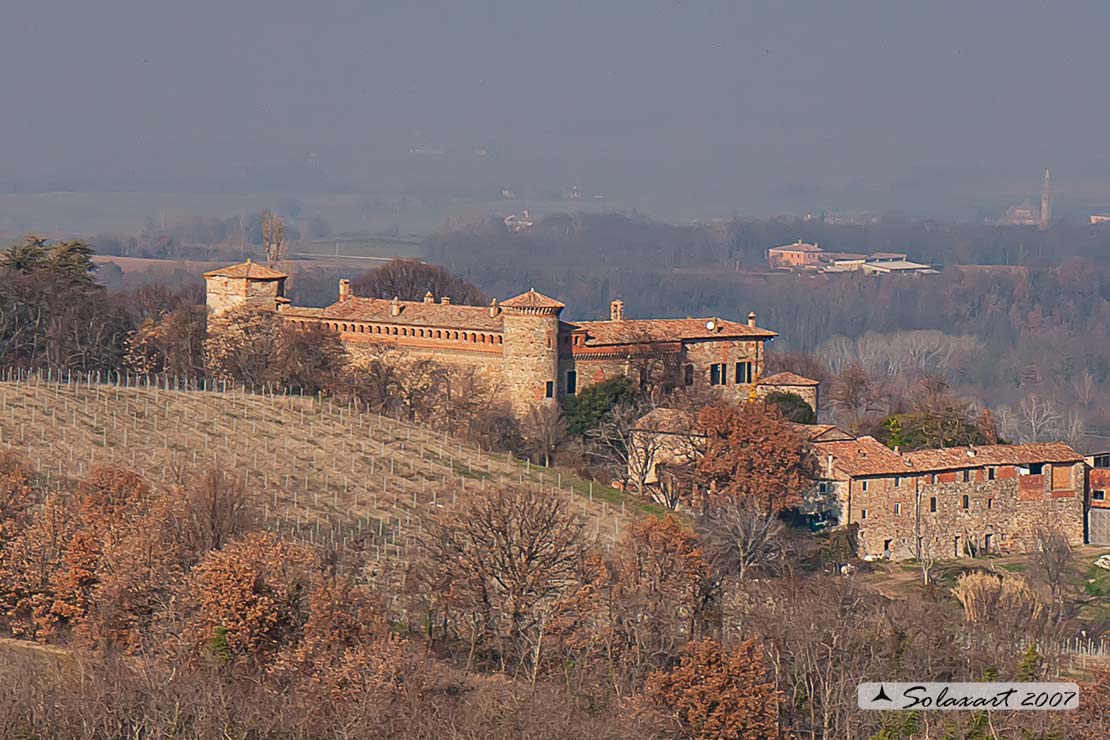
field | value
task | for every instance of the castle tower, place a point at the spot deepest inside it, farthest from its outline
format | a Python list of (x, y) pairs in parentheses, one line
[(1046, 201), (245, 283), (531, 349)]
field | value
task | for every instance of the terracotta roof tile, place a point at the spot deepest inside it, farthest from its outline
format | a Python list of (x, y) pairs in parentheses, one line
[(788, 378), (668, 421), (413, 313), (965, 457), (867, 456), (797, 247), (633, 331), (532, 299), (247, 269), (862, 457)]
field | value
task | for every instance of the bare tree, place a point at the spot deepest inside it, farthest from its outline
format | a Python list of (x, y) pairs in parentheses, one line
[(631, 450), (544, 430), (1052, 561), (741, 537), (1038, 419), (1085, 385)]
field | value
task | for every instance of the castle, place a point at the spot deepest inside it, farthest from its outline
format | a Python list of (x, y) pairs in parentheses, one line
[(524, 347)]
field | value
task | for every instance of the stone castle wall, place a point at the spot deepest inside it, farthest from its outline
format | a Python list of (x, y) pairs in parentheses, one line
[(224, 293), (530, 358)]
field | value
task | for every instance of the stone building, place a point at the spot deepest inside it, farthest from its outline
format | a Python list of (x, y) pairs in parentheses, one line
[(522, 346), (247, 283), (1098, 502), (948, 503)]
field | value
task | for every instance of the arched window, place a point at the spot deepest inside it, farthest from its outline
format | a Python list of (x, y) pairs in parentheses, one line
[(500, 339)]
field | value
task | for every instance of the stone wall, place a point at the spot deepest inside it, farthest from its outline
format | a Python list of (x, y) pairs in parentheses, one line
[(975, 515), (530, 358), (807, 393), (224, 293), (703, 355)]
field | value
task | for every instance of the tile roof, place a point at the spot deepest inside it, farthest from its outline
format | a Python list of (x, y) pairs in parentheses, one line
[(788, 378), (247, 269), (862, 457), (532, 299), (824, 433), (413, 313), (867, 456), (964, 457), (797, 247), (668, 421), (633, 331)]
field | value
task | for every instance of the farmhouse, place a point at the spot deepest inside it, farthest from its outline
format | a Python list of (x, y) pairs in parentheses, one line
[(523, 346), (939, 503), (951, 502)]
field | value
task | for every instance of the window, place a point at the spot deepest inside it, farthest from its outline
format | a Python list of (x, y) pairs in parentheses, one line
[(549, 389), (886, 547), (991, 473), (718, 373), (990, 503), (688, 375), (865, 485), (897, 509), (572, 382), (966, 503), (1102, 461), (863, 513), (743, 372), (967, 476), (933, 478), (1036, 468), (933, 503), (1098, 495), (897, 481), (823, 487)]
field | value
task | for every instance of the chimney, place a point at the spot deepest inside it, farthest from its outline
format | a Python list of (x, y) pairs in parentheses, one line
[(897, 450), (494, 309), (445, 300), (616, 310), (344, 290), (429, 298), (829, 466), (395, 307), (751, 319)]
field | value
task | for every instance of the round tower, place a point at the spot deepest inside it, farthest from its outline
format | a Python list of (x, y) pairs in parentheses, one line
[(530, 327)]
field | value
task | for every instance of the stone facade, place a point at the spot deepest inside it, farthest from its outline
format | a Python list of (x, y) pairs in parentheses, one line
[(953, 502), (247, 283), (522, 345)]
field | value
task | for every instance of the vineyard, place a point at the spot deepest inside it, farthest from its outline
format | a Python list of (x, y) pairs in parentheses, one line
[(318, 472)]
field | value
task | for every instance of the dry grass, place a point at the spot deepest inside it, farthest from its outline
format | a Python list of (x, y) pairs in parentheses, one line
[(318, 472)]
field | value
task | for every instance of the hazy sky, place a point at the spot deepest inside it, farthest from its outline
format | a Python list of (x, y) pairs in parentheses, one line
[(700, 100)]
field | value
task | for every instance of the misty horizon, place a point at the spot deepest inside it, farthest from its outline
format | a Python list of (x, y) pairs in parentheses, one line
[(677, 109)]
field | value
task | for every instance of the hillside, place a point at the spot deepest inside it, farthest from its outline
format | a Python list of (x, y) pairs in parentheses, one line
[(317, 471)]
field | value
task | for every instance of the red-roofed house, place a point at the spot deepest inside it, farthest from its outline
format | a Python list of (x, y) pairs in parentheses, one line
[(951, 502)]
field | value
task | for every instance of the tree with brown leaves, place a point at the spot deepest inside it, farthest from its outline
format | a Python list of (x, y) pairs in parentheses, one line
[(248, 600), (715, 693), (753, 453)]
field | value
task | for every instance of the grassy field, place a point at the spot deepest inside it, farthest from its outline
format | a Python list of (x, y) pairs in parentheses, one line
[(317, 471)]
